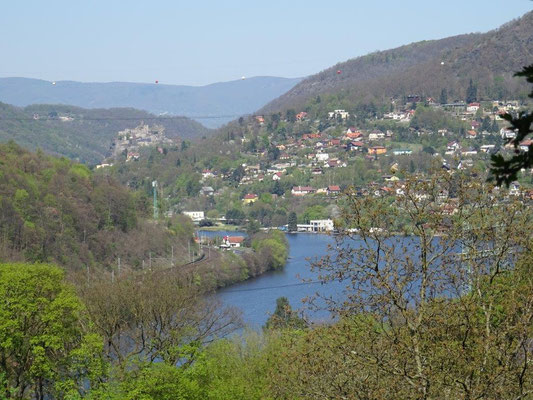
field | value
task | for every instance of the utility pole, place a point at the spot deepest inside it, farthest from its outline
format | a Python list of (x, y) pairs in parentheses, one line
[(150, 261), (119, 266), (156, 209), (172, 259)]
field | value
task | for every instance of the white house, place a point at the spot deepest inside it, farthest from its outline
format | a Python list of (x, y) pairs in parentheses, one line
[(525, 145), (321, 225), (276, 176), (486, 148), (399, 152), (302, 190), (473, 107), (206, 173), (338, 113), (322, 156), (514, 189), (376, 135), (453, 146), (196, 216), (507, 133)]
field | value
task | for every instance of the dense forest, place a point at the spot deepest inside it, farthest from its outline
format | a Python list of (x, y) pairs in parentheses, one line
[(55, 210)]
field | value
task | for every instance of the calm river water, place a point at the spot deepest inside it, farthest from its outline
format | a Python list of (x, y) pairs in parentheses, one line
[(257, 297)]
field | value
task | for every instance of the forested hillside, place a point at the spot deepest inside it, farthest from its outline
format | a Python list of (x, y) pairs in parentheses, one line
[(55, 210), (425, 68), (82, 134)]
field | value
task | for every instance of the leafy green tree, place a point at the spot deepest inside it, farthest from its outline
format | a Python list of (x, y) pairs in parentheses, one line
[(235, 216), (486, 124), (315, 212), (284, 317), (273, 153), (292, 222), (253, 227), (429, 150), (494, 128), (291, 115), (272, 249), (158, 382), (277, 188), (238, 174), (44, 351)]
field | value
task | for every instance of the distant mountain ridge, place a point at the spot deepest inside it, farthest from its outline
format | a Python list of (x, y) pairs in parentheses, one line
[(218, 103), (425, 68)]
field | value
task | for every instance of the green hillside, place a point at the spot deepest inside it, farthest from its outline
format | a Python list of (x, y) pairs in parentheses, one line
[(81, 134), (55, 210)]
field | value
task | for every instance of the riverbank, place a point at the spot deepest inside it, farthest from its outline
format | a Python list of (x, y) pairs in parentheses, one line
[(268, 251), (296, 280)]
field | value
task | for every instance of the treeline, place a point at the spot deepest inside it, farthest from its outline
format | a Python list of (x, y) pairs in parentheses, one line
[(55, 210), (269, 251)]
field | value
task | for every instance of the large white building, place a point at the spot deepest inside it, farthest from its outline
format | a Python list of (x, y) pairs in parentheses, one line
[(196, 216), (321, 225)]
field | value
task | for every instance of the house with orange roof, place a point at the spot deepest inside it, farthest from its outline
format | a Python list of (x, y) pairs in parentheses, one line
[(250, 198), (377, 150)]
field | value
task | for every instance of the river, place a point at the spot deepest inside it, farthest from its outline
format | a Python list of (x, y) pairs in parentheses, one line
[(257, 297)]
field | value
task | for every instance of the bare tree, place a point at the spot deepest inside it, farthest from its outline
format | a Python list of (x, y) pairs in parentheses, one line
[(433, 271), (156, 317)]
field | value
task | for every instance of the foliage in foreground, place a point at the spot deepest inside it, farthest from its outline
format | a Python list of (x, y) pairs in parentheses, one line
[(445, 313)]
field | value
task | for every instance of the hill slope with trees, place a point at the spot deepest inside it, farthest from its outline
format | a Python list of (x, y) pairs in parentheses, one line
[(425, 68), (55, 210), (81, 134)]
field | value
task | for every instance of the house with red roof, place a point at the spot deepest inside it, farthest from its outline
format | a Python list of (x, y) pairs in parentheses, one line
[(302, 190), (525, 145), (333, 190), (301, 115), (232, 241)]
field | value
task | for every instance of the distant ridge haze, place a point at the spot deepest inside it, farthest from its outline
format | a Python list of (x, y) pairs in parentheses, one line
[(212, 105)]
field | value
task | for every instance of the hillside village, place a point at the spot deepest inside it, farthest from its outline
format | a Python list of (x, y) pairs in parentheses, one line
[(129, 141), (302, 161)]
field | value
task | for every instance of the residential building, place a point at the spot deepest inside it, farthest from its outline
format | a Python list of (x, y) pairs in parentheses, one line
[(196, 216), (377, 150), (232, 241), (302, 190), (250, 198), (321, 225)]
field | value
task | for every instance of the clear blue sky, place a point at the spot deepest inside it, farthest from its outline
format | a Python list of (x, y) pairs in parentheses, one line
[(199, 42)]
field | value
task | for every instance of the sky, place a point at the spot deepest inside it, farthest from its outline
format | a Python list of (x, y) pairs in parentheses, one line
[(200, 42)]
